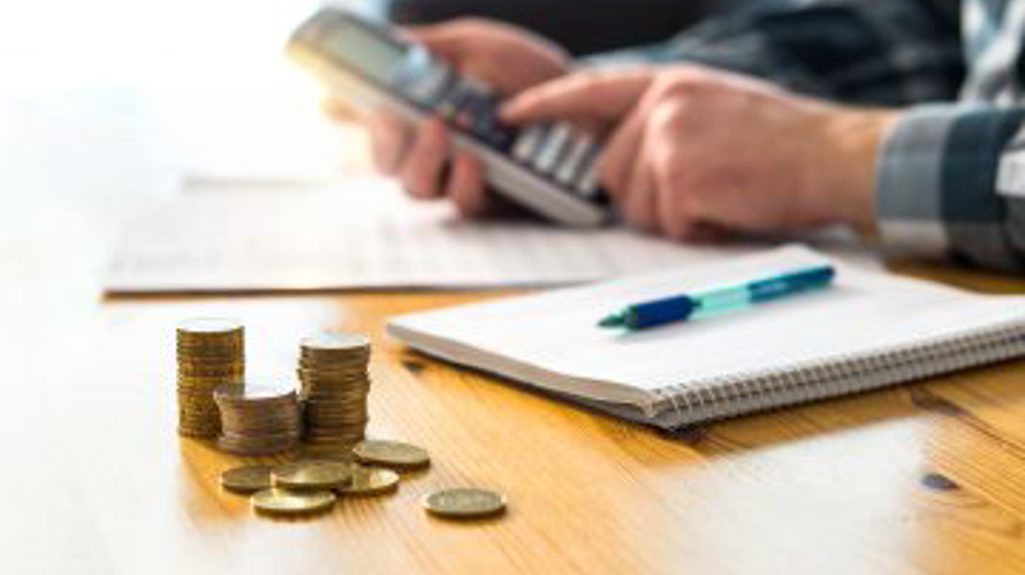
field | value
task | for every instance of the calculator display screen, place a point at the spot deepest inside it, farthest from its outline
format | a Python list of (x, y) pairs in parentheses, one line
[(372, 55)]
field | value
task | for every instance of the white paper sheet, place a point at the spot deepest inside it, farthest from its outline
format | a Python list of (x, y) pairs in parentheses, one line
[(364, 235)]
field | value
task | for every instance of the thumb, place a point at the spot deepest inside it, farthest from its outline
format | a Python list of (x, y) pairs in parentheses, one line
[(586, 97)]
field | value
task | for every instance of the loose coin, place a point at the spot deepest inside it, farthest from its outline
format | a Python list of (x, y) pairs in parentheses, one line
[(283, 502), (369, 481), (392, 454), (312, 475), (247, 479), (464, 503)]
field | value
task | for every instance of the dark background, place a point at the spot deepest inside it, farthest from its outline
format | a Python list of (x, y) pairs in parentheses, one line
[(582, 26)]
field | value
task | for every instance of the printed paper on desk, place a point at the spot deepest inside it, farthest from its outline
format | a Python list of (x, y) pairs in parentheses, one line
[(365, 235)]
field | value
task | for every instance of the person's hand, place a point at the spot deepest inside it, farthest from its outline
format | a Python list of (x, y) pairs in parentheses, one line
[(505, 58), (695, 151)]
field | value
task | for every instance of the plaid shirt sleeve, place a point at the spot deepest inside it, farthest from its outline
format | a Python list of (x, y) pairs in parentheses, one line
[(938, 186), (892, 52)]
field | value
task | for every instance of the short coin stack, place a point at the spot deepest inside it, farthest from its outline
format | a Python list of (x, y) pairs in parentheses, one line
[(258, 420), (210, 354), (334, 387)]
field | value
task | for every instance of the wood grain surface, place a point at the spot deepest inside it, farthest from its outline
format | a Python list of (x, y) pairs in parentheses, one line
[(925, 478)]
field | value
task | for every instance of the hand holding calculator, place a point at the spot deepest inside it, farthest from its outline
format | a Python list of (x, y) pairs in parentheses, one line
[(547, 168)]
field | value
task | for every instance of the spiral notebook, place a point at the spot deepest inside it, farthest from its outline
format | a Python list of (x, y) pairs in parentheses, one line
[(867, 331)]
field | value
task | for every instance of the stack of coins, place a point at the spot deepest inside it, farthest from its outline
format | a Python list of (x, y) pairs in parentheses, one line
[(258, 420), (210, 353), (334, 387)]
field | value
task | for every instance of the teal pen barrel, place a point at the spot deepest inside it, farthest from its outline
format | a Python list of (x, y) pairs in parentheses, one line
[(682, 307), (723, 299), (784, 285)]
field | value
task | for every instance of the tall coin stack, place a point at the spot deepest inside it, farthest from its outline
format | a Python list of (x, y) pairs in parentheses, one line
[(334, 387), (210, 353), (257, 421)]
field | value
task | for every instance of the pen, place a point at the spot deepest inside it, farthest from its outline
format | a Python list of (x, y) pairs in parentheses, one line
[(681, 307)]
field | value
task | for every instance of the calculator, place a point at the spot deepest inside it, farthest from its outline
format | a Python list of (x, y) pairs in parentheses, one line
[(547, 168)]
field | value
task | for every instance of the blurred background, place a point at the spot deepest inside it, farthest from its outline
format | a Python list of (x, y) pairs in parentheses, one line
[(107, 105)]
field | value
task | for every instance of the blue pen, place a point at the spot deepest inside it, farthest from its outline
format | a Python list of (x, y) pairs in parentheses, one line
[(681, 307)]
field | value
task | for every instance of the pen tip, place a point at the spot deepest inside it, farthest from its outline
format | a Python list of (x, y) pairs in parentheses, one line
[(615, 320)]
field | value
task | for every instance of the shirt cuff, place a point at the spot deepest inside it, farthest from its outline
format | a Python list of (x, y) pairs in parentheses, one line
[(936, 191)]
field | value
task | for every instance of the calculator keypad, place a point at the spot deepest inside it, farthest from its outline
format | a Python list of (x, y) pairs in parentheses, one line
[(556, 152)]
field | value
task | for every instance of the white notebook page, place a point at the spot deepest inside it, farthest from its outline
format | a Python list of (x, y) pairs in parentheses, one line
[(555, 334)]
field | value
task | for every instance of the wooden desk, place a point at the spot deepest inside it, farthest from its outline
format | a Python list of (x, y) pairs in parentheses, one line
[(928, 478), (925, 478)]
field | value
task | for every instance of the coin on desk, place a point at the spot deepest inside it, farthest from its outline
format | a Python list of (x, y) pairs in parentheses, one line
[(370, 481), (465, 503), (312, 475), (394, 454), (247, 478), (283, 502)]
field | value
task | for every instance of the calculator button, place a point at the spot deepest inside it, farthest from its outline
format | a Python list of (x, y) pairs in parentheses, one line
[(500, 136), (496, 135), (453, 101), (479, 114), (574, 159), (475, 87), (483, 108), (588, 165), (552, 148), (480, 106), (587, 185), (526, 146)]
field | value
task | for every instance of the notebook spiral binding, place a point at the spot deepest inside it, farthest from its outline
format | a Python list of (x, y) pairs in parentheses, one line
[(726, 396)]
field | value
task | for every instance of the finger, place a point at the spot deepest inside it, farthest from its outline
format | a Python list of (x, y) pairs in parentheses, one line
[(390, 137), (704, 233), (639, 205), (621, 150), (583, 96), (421, 172), (446, 41), (620, 153), (638, 209), (466, 186), (678, 216)]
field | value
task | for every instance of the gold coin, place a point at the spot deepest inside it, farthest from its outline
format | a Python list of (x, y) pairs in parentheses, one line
[(185, 431), (368, 481), (247, 478), (332, 441), (464, 503), (336, 342), (312, 475), (283, 502), (253, 393), (256, 449), (393, 454), (209, 326)]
